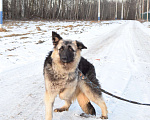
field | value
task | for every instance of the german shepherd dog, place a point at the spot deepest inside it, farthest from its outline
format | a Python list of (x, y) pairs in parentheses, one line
[(62, 70)]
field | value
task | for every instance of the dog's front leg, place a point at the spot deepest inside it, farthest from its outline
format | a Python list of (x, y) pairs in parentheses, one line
[(49, 101), (67, 95)]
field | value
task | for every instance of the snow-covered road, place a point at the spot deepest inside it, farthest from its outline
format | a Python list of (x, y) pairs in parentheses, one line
[(128, 70), (123, 48)]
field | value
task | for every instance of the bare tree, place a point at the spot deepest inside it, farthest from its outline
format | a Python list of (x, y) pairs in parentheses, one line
[(147, 9), (72, 9)]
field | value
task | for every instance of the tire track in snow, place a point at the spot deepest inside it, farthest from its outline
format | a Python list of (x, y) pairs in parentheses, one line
[(108, 48), (138, 86), (104, 40), (120, 61), (120, 53)]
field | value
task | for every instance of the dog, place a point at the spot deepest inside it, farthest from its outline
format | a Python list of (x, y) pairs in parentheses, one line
[(66, 73)]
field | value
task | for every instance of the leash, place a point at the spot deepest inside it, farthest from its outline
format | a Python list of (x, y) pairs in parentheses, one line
[(108, 93), (123, 99)]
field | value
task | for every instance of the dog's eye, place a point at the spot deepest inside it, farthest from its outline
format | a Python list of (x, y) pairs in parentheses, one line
[(70, 48), (62, 48)]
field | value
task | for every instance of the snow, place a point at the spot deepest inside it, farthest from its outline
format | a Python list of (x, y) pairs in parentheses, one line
[(119, 50)]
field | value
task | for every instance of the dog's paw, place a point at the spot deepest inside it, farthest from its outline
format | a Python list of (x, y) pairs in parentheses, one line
[(104, 117), (60, 110)]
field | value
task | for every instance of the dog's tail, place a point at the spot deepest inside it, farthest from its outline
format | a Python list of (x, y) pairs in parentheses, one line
[(85, 104)]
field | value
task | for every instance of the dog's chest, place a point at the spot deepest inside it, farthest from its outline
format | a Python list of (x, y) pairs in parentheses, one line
[(60, 80)]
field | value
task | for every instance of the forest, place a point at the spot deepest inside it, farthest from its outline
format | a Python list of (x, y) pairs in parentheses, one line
[(72, 9)]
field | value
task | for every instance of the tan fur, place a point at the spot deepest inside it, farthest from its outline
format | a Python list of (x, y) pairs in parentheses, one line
[(63, 67), (66, 71), (49, 100), (71, 90), (56, 39), (83, 101), (93, 97), (66, 95)]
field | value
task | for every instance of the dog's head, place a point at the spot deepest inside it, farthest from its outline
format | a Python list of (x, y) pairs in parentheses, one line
[(66, 51)]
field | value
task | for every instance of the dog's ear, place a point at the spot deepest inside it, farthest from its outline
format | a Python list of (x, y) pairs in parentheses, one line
[(80, 45), (55, 38)]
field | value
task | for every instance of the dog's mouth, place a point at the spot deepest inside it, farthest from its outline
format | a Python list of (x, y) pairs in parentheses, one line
[(65, 60)]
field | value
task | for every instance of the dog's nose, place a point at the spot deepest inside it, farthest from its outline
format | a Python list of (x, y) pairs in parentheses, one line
[(64, 59)]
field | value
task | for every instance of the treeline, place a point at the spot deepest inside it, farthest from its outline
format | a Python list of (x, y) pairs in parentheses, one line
[(70, 9), (50, 9)]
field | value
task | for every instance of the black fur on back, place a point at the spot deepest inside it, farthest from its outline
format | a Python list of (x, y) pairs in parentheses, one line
[(48, 59), (88, 70)]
